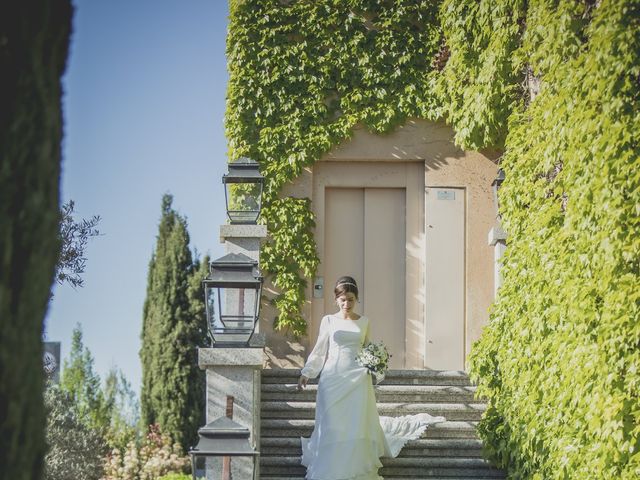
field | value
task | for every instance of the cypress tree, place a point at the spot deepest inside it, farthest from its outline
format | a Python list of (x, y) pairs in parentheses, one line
[(172, 383), (34, 39), (197, 338)]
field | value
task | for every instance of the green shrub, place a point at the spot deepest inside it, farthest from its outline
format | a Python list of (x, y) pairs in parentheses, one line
[(176, 476), (75, 449)]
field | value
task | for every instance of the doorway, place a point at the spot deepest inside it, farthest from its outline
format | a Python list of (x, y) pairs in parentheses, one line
[(365, 237), (445, 278), (370, 225)]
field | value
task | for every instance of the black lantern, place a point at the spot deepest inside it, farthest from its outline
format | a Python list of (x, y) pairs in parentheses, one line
[(223, 452), (232, 295), (496, 186), (243, 191)]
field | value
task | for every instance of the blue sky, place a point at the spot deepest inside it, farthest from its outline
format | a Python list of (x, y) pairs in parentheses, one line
[(144, 110)]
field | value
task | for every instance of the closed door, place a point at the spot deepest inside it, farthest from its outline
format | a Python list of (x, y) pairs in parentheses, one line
[(365, 237), (445, 278)]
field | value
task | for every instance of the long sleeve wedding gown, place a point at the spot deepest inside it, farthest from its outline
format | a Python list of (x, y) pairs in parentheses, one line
[(349, 436)]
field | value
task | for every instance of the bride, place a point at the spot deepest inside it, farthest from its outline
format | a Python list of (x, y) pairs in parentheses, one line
[(349, 437)]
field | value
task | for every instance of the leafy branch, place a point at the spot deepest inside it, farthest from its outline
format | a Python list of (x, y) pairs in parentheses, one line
[(74, 236)]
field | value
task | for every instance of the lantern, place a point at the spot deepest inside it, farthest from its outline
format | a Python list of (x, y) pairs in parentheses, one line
[(243, 191), (232, 295), (223, 452)]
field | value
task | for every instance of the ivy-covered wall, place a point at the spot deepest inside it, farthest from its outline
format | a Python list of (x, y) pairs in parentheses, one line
[(302, 75), (551, 83), (560, 359)]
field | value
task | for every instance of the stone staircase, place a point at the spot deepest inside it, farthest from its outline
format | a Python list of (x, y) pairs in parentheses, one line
[(447, 451)]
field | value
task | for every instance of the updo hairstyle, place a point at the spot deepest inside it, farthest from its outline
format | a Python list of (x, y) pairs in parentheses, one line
[(346, 285)]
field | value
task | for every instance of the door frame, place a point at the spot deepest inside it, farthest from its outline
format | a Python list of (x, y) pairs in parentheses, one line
[(408, 175)]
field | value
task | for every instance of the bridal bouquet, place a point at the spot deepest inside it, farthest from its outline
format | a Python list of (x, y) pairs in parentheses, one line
[(374, 357)]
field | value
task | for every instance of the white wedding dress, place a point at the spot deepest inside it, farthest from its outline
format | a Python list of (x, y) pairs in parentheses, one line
[(349, 436)]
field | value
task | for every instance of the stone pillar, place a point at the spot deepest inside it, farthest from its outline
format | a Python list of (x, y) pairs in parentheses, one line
[(498, 240), (236, 371), (243, 239)]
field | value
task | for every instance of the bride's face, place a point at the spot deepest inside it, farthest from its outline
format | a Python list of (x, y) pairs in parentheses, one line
[(346, 302)]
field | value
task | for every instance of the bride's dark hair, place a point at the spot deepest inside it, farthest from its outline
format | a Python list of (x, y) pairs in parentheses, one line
[(346, 285)]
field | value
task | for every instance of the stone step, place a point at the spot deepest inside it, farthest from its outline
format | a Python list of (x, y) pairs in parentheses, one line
[(304, 427), (399, 462), (419, 477), (451, 411), (401, 467), (425, 447), (447, 451), (273, 472), (384, 393), (393, 377)]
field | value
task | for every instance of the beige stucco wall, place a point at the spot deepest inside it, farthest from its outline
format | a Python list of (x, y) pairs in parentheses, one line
[(445, 165)]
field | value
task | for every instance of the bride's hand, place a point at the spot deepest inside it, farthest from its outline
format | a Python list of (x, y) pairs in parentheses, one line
[(302, 382)]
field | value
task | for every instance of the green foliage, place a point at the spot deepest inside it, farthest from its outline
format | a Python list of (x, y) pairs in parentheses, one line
[(176, 476), (155, 457), (198, 310), (82, 384), (34, 38), (74, 237), (173, 326), (75, 448), (243, 196), (111, 411), (196, 336), (560, 359), (480, 84), (123, 407), (302, 75), (290, 250)]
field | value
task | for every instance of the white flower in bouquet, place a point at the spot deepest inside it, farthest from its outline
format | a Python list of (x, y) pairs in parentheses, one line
[(374, 357)]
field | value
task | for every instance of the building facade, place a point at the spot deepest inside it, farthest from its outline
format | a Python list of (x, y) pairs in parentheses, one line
[(406, 214)]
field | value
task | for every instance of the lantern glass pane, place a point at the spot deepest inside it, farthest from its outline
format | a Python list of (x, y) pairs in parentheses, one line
[(211, 299), (243, 201), (234, 313), (200, 468), (222, 468), (238, 306)]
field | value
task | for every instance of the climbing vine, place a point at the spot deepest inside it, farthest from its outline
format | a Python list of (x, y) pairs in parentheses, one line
[(555, 85), (560, 358), (481, 84), (302, 75)]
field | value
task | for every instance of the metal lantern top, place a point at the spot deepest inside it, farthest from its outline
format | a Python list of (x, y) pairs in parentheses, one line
[(234, 270), (243, 170), (223, 437), (243, 191)]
